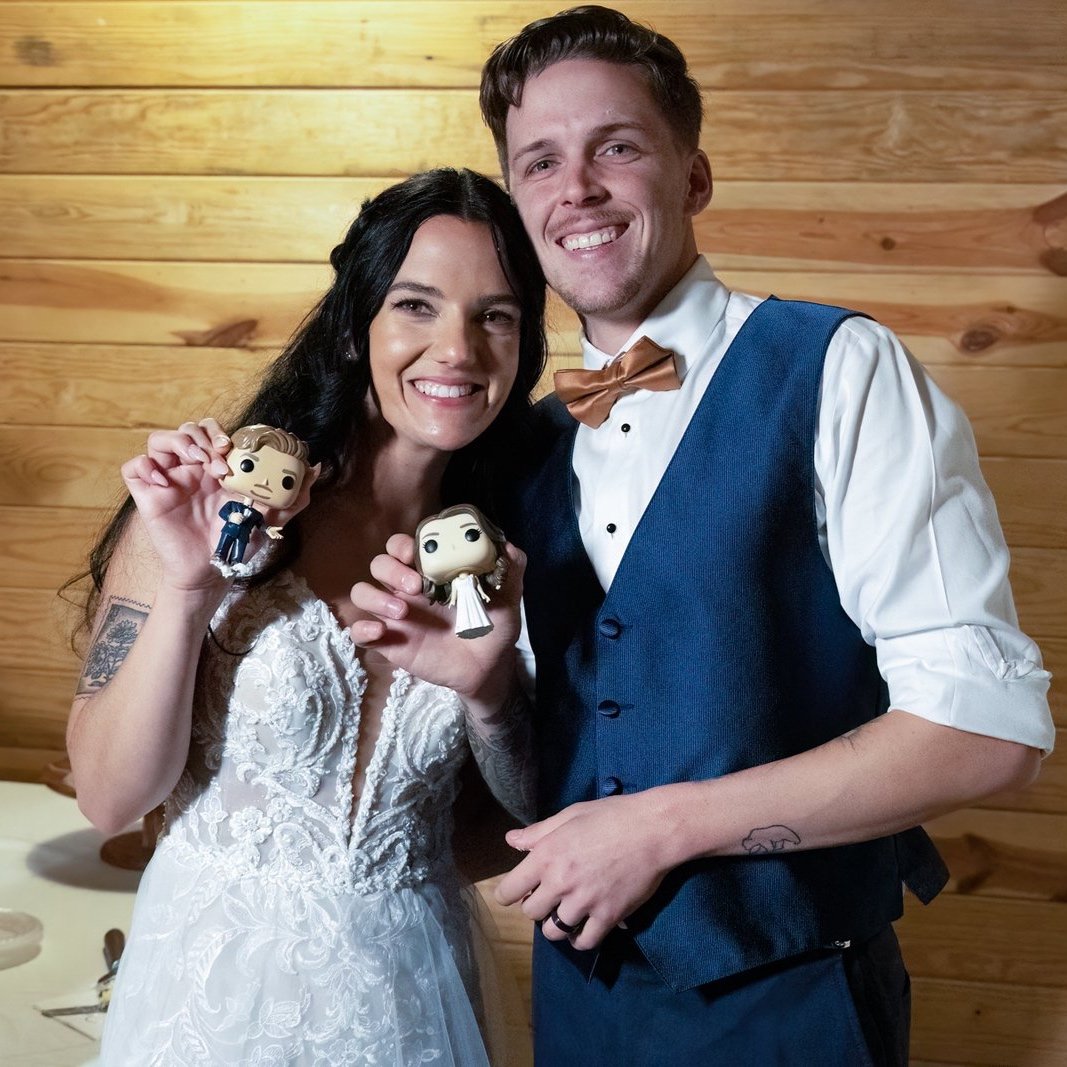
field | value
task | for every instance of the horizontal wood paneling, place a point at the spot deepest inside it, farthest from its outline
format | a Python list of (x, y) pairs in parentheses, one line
[(1013, 412), (46, 471), (43, 546), (1038, 580), (34, 704), (1004, 853), (123, 385), (1031, 498), (788, 225), (981, 939), (964, 317), (752, 43), (208, 304), (26, 690), (1054, 653), (41, 729), (18, 764), (34, 625), (764, 135), (996, 1025), (296, 220)]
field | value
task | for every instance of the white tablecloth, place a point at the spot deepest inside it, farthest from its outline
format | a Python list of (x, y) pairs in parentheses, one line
[(50, 868)]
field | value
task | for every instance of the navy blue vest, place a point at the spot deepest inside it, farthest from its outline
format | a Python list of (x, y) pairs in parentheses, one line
[(721, 645)]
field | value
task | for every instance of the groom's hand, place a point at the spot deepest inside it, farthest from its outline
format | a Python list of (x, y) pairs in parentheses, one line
[(589, 866)]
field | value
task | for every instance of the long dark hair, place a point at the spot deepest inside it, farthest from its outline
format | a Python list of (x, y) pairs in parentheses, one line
[(317, 387)]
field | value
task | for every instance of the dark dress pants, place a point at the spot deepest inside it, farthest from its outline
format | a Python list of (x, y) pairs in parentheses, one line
[(834, 1008)]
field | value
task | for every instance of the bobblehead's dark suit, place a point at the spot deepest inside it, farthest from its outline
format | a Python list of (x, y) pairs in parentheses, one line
[(234, 539)]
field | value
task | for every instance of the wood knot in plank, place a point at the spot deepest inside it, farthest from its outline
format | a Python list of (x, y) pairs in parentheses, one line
[(1007, 323), (1055, 260), (1052, 218), (35, 52), (979, 338), (980, 864), (230, 335)]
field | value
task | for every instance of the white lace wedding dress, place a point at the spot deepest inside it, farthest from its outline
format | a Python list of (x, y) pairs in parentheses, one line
[(281, 921)]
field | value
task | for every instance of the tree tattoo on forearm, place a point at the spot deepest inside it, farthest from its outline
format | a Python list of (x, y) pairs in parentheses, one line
[(114, 639)]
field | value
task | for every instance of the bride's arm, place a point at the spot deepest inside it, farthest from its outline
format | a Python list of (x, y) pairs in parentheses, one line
[(130, 721), (501, 739), (419, 638)]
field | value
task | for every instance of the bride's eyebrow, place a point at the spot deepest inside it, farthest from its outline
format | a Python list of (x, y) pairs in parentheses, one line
[(416, 287)]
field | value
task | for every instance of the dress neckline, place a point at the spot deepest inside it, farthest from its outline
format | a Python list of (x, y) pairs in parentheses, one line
[(358, 810)]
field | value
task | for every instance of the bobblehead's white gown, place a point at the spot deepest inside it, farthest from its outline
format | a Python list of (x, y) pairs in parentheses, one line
[(471, 618), (280, 921)]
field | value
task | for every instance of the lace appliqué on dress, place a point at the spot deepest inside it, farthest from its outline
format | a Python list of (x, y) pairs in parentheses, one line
[(282, 920)]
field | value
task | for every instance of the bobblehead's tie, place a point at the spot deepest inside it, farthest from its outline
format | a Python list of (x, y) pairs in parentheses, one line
[(590, 394)]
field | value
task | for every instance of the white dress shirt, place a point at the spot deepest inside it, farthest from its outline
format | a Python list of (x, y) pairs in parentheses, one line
[(904, 517)]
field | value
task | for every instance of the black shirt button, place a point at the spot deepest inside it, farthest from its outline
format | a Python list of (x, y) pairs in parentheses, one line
[(625, 427), (611, 527)]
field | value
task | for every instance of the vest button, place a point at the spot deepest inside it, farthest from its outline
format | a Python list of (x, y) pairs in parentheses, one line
[(608, 708), (609, 627), (610, 786)]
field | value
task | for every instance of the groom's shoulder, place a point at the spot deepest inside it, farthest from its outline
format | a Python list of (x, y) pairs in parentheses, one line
[(551, 418)]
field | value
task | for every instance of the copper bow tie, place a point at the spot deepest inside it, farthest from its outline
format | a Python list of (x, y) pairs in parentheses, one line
[(590, 394)]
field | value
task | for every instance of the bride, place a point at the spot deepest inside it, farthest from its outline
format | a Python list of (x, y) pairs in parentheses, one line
[(303, 906)]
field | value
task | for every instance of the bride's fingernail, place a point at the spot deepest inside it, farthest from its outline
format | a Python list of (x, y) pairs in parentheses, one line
[(158, 479), (395, 608), (196, 452), (220, 440)]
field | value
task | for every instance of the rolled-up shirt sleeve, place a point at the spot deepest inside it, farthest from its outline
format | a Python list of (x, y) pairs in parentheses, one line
[(911, 533)]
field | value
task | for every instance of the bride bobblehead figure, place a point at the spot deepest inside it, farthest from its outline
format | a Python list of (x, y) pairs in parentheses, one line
[(456, 548)]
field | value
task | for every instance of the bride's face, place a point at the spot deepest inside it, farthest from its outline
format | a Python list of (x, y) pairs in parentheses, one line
[(444, 348)]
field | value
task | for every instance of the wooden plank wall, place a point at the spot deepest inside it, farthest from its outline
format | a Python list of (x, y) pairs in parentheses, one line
[(172, 175)]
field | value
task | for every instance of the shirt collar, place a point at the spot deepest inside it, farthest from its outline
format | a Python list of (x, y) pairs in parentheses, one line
[(682, 321)]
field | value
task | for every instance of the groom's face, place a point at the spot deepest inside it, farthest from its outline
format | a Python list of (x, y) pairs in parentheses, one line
[(605, 191)]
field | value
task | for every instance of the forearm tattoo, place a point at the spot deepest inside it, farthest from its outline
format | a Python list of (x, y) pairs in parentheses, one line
[(123, 621), (770, 839), (503, 749)]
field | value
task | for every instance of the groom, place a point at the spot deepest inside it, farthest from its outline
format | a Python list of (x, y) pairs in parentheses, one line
[(773, 509), (767, 603)]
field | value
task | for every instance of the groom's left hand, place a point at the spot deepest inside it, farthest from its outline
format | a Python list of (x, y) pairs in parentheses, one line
[(591, 864)]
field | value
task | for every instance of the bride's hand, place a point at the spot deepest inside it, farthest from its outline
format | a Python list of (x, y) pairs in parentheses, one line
[(419, 637), (175, 485)]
